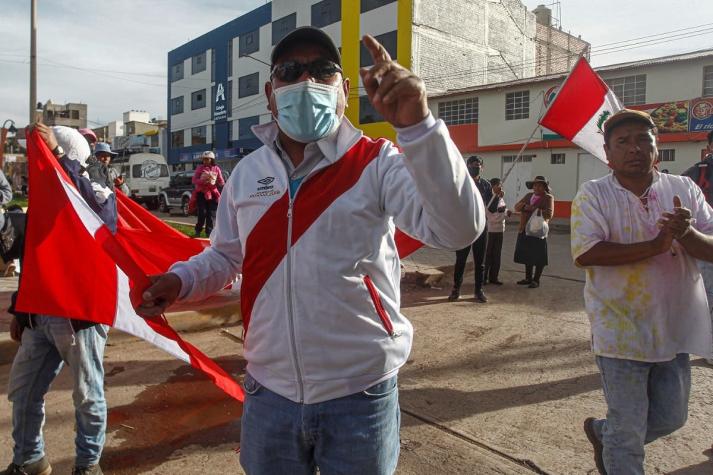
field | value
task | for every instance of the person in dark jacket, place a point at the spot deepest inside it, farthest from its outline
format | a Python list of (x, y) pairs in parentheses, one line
[(702, 174), (475, 168), (47, 342)]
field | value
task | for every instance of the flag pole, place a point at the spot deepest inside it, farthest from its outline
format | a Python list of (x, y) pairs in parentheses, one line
[(519, 154)]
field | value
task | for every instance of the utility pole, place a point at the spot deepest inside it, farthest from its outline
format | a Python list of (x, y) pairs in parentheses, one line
[(33, 62)]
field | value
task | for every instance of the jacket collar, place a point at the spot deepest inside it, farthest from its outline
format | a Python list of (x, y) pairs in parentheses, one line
[(333, 146)]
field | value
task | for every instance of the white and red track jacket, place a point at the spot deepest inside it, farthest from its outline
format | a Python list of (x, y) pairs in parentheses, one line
[(321, 272)]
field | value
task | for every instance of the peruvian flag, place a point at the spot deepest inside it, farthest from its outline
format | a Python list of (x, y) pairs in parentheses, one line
[(580, 108), (75, 267)]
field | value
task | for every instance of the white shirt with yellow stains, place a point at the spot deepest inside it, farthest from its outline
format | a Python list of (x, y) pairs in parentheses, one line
[(653, 309)]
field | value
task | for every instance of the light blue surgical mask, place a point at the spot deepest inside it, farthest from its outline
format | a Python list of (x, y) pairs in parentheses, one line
[(307, 111)]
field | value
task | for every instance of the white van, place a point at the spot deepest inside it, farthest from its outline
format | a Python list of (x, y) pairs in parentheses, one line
[(145, 174)]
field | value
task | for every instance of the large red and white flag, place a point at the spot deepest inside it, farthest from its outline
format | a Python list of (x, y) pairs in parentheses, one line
[(76, 268), (581, 106)]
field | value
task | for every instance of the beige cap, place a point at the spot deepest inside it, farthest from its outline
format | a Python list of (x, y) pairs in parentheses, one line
[(627, 114)]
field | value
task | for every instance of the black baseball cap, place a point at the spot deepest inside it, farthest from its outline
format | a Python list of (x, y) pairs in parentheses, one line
[(306, 34)]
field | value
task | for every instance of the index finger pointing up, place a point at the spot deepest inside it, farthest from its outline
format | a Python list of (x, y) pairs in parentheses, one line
[(377, 51)]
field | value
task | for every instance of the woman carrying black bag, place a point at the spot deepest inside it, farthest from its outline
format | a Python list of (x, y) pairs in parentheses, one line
[(532, 250)]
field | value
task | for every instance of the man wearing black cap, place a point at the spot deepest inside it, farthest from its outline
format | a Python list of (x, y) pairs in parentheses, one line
[(638, 233), (309, 220), (475, 167)]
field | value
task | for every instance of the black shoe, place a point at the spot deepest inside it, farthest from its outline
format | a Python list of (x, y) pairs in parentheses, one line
[(90, 470), (524, 282), (41, 467), (534, 284), (496, 282), (596, 444), (480, 296), (455, 295)]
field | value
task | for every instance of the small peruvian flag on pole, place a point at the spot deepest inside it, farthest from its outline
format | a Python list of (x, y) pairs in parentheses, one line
[(580, 108)]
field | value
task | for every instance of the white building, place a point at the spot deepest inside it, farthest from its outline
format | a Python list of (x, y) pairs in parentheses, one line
[(494, 121), (216, 82)]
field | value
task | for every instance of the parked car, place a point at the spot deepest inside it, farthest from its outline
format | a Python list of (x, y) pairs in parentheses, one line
[(145, 174), (177, 194)]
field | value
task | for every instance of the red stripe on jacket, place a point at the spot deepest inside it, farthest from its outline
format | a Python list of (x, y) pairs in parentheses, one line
[(266, 245)]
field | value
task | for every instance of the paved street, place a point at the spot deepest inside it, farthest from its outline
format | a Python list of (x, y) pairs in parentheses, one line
[(499, 388)]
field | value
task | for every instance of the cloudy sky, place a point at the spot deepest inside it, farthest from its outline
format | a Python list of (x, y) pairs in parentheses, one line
[(112, 54)]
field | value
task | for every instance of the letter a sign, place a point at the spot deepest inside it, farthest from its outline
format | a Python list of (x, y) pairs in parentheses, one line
[(220, 111)]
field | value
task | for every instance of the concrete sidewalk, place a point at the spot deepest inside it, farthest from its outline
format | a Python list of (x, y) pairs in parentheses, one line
[(434, 267)]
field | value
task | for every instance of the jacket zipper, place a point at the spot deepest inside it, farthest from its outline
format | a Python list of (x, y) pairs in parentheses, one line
[(376, 299), (290, 310)]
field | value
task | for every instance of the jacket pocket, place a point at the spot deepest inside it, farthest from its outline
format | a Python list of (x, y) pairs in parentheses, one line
[(376, 300)]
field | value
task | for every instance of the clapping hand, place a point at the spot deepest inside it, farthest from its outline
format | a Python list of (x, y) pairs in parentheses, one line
[(677, 222), (394, 91)]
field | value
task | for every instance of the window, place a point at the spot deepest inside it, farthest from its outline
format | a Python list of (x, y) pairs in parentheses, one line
[(198, 63), (198, 135), (249, 42), (326, 12), (248, 85), (517, 105), (74, 114), (511, 158), (177, 105), (198, 99), (283, 26), (212, 134), (557, 158), (230, 57), (667, 155), (212, 64), (367, 113), (367, 5), (244, 125), (177, 139), (708, 81), (461, 111), (630, 90), (389, 42), (177, 71)]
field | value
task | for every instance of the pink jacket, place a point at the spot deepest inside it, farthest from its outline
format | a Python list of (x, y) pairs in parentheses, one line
[(207, 179)]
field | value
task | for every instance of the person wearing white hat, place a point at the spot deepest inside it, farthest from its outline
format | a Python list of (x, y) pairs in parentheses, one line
[(208, 180), (50, 342)]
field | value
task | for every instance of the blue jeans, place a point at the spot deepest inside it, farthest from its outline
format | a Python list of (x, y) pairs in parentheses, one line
[(645, 401), (44, 350), (353, 434)]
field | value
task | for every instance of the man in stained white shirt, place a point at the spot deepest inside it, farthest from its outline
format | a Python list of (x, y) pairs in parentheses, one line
[(638, 233)]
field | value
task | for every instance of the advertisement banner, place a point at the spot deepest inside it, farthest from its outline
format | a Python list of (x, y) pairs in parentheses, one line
[(220, 106), (670, 117), (701, 115)]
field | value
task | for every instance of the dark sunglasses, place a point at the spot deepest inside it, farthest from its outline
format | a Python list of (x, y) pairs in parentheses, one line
[(320, 69)]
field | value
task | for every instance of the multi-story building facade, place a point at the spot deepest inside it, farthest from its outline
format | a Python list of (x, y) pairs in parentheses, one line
[(70, 115), (676, 90), (216, 82), (556, 51)]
